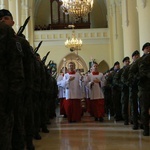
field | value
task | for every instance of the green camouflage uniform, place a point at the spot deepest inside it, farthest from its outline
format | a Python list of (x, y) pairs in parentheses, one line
[(108, 95), (125, 95), (116, 94), (36, 98), (133, 93), (133, 80), (144, 91), (23, 114), (11, 82)]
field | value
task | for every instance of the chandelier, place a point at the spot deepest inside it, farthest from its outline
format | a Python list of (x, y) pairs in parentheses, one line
[(77, 8), (73, 43)]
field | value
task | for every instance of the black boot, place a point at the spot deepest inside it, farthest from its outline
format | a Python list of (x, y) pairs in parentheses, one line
[(126, 122), (30, 147), (135, 126), (37, 136), (101, 119), (45, 130), (146, 131), (96, 119), (29, 144)]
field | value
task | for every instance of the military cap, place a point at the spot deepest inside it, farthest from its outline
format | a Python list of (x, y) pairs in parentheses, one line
[(116, 63), (126, 58), (145, 45), (136, 52), (4, 12)]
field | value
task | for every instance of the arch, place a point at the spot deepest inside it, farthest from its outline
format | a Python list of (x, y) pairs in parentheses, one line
[(78, 60), (103, 66)]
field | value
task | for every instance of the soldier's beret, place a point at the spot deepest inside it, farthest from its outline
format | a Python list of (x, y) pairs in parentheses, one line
[(145, 45), (116, 63), (4, 12), (136, 52), (126, 58)]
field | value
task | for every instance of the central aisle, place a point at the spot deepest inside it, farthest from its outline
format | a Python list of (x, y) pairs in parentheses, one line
[(91, 135)]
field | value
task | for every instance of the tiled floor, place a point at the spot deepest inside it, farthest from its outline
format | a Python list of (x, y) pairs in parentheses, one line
[(91, 135)]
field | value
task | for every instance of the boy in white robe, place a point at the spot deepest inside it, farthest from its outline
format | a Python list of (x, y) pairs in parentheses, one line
[(95, 82), (73, 86), (61, 93)]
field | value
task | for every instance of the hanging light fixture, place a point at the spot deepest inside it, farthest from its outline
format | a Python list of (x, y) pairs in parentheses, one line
[(77, 8), (73, 43)]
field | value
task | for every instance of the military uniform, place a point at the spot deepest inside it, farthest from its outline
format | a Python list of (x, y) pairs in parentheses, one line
[(43, 97), (116, 94), (23, 125), (108, 94), (53, 95), (125, 95), (144, 91), (36, 97), (11, 82), (133, 83), (124, 90), (133, 92)]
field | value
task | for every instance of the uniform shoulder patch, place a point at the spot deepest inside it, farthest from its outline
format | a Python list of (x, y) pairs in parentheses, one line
[(19, 47)]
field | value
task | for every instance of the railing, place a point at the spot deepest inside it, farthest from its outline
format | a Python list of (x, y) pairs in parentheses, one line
[(59, 36)]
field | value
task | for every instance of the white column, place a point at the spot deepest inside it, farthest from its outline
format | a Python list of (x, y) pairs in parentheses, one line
[(3, 4), (25, 15), (18, 14), (31, 22), (116, 37), (12, 9), (130, 27), (143, 7)]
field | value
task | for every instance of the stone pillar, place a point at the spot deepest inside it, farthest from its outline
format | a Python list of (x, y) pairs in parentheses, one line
[(143, 8), (18, 14), (31, 22), (24, 16), (12, 9), (115, 26), (130, 27), (3, 4)]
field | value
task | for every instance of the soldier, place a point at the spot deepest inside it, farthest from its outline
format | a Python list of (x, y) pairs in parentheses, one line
[(108, 93), (52, 94), (23, 111), (36, 96), (43, 98), (116, 93), (144, 93), (11, 79), (134, 80), (133, 92), (125, 91), (121, 90)]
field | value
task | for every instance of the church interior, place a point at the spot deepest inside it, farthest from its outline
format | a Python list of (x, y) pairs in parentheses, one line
[(112, 30), (105, 32)]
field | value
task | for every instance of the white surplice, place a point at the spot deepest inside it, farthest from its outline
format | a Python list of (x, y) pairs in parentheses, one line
[(74, 88), (96, 90)]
